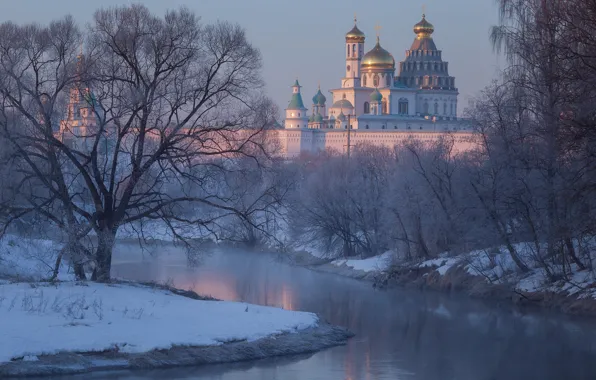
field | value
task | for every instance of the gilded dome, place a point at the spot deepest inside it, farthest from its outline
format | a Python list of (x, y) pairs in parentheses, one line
[(424, 28), (378, 58), (355, 34)]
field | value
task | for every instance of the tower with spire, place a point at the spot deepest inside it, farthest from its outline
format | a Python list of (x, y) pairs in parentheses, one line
[(354, 53), (425, 70), (296, 113), (81, 119)]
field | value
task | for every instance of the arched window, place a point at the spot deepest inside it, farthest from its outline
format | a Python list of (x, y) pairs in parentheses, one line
[(436, 108), (366, 107), (444, 108), (425, 108), (348, 51), (403, 106), (384, 103), (354, 50), (451, 108), (344, 96), (383, 127), (395, 127), (388, 77), (364, 80), (376, 80), (366, 126)]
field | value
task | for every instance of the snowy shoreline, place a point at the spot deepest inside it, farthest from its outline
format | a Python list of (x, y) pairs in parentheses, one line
[(68, 328), (478, 274)]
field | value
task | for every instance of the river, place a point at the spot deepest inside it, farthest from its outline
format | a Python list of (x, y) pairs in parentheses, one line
[(400, 334)]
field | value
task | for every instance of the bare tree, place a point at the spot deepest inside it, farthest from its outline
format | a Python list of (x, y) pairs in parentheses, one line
[(159, 109)]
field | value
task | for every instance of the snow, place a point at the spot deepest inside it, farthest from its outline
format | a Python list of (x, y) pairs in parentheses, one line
[(442, 264), (30, 259), (42, 319), (375, 263)]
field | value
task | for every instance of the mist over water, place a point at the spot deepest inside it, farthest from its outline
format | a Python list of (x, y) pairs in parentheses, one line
[(400, 334)]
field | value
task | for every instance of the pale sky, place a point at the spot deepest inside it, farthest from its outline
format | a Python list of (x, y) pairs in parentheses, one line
[(305, 39)]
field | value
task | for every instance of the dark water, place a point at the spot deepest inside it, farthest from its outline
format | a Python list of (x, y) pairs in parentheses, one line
[(400, 334)]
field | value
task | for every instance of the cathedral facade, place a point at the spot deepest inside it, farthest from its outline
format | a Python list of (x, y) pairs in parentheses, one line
[(374, 104)]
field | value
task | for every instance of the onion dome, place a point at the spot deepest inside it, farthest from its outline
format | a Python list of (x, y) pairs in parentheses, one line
[(342, 103), (376, 96), (355, 34), (318, 118), (319, 99), (311, 118), (341, 117), (424, 28), (378, 58)]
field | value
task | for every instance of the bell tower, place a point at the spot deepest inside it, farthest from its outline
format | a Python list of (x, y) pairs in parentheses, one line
[(354, 51)]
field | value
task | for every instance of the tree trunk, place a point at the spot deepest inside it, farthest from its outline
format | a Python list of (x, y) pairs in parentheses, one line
[(571, 251), (57, 264), (79, 272), (103, 256)]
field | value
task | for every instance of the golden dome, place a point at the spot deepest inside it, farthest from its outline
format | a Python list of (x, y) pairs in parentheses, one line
[(378, 58), (424, 28), (355, 35)]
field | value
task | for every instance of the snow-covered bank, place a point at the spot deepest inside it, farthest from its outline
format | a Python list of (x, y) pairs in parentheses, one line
[(43, 321), (484, 273), (30, 259), (372, 264)]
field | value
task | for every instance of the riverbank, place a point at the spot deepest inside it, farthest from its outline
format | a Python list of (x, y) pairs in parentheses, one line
[(67, 327), (479, 274)]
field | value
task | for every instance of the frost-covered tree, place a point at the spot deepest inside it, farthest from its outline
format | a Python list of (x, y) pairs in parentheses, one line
[(174, 102)]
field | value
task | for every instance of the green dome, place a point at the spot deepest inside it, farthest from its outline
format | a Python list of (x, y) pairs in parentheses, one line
[(318, 118), (376, 96), (342, 103), (319, 99), (311, 118)]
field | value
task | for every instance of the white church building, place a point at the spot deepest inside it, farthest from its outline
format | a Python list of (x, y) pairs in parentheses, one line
[(376, 105)]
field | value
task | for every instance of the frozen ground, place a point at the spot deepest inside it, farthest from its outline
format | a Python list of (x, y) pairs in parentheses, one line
[(40, 318), (46, 319), (30, 259)]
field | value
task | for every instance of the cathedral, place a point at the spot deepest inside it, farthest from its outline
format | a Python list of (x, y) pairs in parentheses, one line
[(376, 105)]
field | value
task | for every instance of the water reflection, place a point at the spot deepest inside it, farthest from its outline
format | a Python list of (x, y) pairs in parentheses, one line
[(400, 334)]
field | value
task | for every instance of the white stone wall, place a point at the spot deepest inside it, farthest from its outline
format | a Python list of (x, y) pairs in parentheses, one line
[(295, 142), (445, 100)]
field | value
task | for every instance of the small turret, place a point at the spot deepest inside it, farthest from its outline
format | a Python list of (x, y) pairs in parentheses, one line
[(296, 113), (318, 102), (376, 98)]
